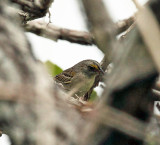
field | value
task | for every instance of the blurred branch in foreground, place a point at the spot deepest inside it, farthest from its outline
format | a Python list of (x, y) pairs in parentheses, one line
[(46, 119), (52, 32)]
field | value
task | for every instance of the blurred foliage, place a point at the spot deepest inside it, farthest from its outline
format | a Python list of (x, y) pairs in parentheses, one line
[(93, 96), (53, 69)]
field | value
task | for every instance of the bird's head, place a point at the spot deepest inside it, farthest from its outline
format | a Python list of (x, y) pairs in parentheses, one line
[(90, 67)]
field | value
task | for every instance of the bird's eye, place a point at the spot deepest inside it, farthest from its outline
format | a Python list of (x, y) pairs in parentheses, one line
[(91, 68)]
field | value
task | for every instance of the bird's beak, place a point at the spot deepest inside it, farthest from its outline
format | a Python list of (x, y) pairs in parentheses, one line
[(101, 71)]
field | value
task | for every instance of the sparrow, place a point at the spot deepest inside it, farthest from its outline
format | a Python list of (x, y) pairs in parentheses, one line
[(80, 77)]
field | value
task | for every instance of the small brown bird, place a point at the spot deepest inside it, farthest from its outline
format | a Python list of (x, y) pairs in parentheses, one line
[(80, 77)]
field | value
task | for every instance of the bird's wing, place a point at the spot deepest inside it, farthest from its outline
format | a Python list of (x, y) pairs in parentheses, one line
[(65, 77)]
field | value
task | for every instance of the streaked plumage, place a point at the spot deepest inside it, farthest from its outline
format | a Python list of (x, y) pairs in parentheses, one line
[(80, 77)]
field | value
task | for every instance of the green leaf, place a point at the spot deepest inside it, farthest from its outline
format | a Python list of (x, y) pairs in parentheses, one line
[(53, 69), (93, 96)]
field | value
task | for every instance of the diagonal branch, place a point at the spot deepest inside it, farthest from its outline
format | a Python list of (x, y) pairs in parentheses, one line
[(54, 33), (123, 25)]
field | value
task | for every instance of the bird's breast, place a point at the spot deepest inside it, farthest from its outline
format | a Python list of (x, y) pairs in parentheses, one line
[(85, 84)]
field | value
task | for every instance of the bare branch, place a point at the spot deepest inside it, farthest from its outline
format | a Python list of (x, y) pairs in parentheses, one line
[(54, 33), (124, 24)]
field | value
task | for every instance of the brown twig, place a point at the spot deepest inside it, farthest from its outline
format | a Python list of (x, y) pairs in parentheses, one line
[(52, 32), (123, 25)]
